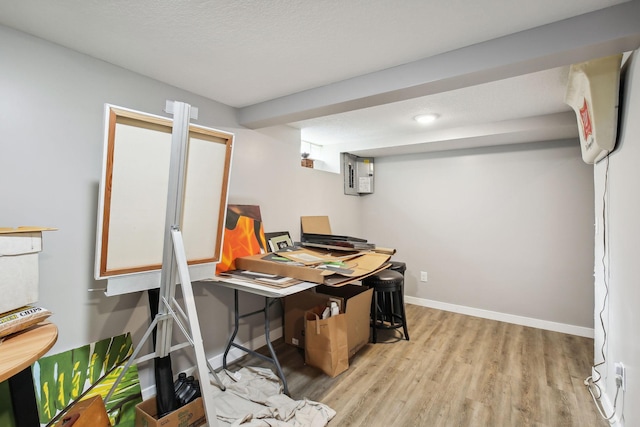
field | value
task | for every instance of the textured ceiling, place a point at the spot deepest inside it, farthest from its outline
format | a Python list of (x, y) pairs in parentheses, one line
[(247, 54)]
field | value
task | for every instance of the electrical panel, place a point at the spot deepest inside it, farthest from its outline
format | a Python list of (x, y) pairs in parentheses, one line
[(358, 174)]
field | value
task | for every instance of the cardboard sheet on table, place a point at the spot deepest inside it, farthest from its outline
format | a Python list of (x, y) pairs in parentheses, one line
[(363, 265), (315, 257), (336, 280), (315, 224)]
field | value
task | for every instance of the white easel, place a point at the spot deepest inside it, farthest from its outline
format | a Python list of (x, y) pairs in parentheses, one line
[(174, 257)]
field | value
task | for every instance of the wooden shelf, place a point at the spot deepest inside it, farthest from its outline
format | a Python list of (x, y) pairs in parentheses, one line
[(20, 350)]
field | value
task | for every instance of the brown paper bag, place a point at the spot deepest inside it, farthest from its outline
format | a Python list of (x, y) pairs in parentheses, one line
[(325, 342)]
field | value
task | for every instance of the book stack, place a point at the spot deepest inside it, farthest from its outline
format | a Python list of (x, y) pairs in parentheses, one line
[(331, 241)]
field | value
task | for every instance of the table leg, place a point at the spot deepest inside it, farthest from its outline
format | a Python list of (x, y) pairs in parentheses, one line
[(236, 323), (268, 303), (267, 332), (23, 399)]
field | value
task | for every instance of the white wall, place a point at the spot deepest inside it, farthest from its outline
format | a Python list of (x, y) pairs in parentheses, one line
[(51, 141), (618, 290), (505, 230)]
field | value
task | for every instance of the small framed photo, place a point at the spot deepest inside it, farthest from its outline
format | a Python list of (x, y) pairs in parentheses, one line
[(278, 241)]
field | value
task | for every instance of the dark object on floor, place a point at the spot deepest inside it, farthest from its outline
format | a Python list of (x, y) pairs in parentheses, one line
[(165, 398), (387, 304), (400, 267)]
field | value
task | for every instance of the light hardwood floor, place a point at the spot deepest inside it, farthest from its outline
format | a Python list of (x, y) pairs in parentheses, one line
[(457, 370)]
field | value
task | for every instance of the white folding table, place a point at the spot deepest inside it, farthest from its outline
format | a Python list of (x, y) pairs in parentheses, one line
[(271, 295)]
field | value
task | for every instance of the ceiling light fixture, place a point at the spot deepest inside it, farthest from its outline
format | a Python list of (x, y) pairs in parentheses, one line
[(425, 118)]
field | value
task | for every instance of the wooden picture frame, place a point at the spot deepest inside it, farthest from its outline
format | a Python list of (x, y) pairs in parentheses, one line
[(278, 240), (134, 192)]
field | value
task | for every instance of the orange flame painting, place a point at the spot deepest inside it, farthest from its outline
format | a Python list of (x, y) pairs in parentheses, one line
[(243, 235)]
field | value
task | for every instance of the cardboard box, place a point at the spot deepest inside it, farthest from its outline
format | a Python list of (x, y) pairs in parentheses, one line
[(89, 412), (357, 302), (355, 298), (19, 276), (189, 415), (294, 307), (315, 224), (363, 265)]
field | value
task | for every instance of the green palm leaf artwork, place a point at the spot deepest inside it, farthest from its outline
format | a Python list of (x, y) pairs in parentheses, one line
[(87, 371)]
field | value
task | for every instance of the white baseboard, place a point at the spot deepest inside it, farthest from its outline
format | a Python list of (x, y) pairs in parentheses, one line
[(503, 317), (607, 407), (605, 402)]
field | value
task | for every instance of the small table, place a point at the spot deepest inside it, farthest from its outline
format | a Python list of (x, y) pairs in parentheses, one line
[(17, 354), (271, 295)]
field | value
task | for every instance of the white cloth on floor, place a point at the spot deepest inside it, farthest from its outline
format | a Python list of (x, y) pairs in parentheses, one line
[(254, 398)]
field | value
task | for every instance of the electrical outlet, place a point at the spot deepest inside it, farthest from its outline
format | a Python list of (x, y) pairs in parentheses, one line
[(620, 373), (424, 276)]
